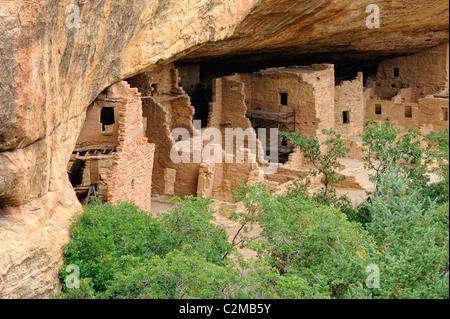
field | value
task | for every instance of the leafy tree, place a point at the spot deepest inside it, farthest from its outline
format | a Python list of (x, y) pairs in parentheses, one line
[(325, 162), (383, 146), (189, 223), (379, 144), (263, 281), (105, 235), (306, 249), (180, 274), (300, 237)]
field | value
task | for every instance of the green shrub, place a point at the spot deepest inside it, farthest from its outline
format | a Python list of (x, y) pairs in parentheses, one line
[(189, 223), (105, 236), (180, 274), (410, 243), (306, 249), (104, 233), (85, 291), (302, 238)]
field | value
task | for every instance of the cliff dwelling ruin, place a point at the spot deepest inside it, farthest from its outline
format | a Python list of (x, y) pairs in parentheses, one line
[(125, 144), (103, 106)]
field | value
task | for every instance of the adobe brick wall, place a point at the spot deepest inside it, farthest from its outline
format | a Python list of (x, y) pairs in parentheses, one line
[(427, 111), (430, 112), (310, 90), (130, 177), (228, 114)]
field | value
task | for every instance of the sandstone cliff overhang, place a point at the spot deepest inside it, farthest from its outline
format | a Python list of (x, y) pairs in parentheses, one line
[(50, 74)]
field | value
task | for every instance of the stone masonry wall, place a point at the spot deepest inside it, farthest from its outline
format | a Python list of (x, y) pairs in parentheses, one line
[(434, 111), (130, 176), (427, 71), (349, 97)]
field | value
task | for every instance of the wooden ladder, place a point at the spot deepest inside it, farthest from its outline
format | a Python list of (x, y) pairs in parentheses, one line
[(93, 191)]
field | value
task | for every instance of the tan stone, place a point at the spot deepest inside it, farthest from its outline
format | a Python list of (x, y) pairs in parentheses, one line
[(349, 98), (170, 176), (51, 74)]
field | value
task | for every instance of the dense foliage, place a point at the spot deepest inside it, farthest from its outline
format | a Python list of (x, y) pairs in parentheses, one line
[(410, 242), (107, 240), (395, 245)]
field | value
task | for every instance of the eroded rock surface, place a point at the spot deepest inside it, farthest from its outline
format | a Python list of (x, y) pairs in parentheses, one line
[(52, 73)]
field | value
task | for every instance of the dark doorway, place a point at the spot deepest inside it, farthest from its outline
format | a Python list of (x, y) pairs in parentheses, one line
[(283, 99), (396, 72), (378, 109), (444, 115), (76, 173), (200, 100), (408, 111), (345, 117)]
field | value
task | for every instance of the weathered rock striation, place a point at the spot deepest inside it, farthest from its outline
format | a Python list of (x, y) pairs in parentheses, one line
[(50, 74)]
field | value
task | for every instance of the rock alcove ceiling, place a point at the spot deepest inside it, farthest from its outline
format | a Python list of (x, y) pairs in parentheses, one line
[(51, 73)]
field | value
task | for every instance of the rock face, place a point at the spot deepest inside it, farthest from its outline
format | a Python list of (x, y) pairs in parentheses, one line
[(50, 74), (286, 28), (53, 70)]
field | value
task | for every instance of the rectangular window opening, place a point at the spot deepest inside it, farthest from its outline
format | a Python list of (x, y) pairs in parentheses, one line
[(444, 114), (408, 111), (396, 72), (377, 108), (283, 99), (107, 117), (346, 117)]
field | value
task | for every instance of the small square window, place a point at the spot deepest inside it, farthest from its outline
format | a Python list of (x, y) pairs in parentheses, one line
[(408, 111), (345, 117), (377, 108), (283, 99), (444, 114), (396, 72)]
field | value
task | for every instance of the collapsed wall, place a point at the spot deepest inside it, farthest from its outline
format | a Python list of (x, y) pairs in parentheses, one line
[(167, 107), (53, 73)]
